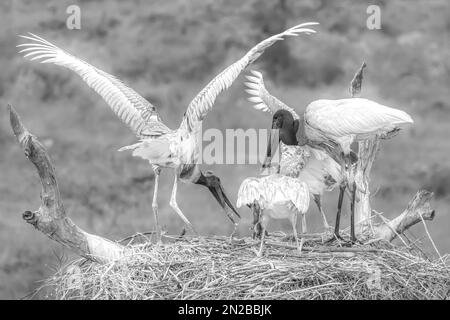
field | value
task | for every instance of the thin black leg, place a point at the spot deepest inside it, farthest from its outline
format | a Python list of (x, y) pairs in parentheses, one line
[(352, 214), (338, 215)]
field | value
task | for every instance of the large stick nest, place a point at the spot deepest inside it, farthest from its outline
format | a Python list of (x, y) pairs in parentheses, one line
[(214, 268)]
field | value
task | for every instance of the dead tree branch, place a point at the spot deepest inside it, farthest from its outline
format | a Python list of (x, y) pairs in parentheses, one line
[(51, 218), (418, 207), (355, 84)]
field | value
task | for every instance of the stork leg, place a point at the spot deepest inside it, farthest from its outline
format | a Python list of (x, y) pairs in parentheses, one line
[(174, 205), (338, 214), (352, 214), (294, 230), (264, 221), (256, 223), (155, 204), (304, 231), (318, 201)]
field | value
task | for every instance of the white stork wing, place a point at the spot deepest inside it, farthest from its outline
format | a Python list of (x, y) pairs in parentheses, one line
[(136, 112), (272, 189), (249, 191), (263, 100), (297, 191), (203, 102), (355, 116), (279, 188)]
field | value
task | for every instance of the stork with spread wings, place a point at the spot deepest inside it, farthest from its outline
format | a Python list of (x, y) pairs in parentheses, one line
[(162, 147)]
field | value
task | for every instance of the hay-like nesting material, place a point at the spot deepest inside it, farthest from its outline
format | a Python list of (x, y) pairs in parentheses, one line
[(216, 269)]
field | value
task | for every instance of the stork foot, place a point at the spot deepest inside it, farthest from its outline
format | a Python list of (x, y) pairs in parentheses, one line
[(356, 241), (300, 246), (259, 253), (233, 232), (337, 237), (328, 235), (289, 238), (159, 233), (257, 235), (182, 233)]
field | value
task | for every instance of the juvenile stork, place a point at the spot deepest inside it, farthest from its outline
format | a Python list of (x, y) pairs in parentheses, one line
[(164, 148), (309, 164), (276, 196)]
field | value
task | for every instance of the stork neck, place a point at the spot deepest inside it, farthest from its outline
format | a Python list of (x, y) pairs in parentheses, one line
[(288, 133), (190, 173), (202, 180), (288, 137)]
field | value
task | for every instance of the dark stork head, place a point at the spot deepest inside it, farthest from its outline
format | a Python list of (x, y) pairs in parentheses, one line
[(287, 127), (212, 182)]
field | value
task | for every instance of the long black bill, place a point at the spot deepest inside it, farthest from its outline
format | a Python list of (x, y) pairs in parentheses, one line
[(272, 146), (214, 185)]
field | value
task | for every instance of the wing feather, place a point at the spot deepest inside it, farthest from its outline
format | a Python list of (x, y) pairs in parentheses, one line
[(203, 102), (299, 194), (356, 116), (249, 191), (263, 99), (135, 111)]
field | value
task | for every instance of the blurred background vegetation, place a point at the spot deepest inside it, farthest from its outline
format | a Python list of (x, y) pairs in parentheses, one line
[(167, 51)]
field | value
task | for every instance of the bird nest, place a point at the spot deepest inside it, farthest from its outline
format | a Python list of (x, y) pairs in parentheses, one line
[(215, 268)]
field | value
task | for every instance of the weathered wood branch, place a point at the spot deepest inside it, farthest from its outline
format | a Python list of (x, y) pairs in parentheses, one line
[(419, 207), (51, 218), (356, 83)]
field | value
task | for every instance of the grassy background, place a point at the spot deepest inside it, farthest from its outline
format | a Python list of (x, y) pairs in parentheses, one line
[(167, 51)]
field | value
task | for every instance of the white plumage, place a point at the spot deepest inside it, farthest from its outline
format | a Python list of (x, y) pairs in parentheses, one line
[(274, 189), (278, 197), (339, 123), (321, 173), (347, 120), (311, 165), (162, 147), (263, 100)]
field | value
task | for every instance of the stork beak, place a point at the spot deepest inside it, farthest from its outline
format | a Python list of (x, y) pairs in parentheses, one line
[(219, 194), (216, 188), (272, 147)]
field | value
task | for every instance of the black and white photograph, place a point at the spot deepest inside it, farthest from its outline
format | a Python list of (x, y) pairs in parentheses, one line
[(225, 154)]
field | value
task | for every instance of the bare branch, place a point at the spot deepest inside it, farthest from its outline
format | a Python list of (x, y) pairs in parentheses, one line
[(418, 208), (51, 218), (355, 84)]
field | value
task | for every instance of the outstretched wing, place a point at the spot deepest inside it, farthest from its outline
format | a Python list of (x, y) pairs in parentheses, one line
[(203, 102), (136, 112), (263, 100)]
